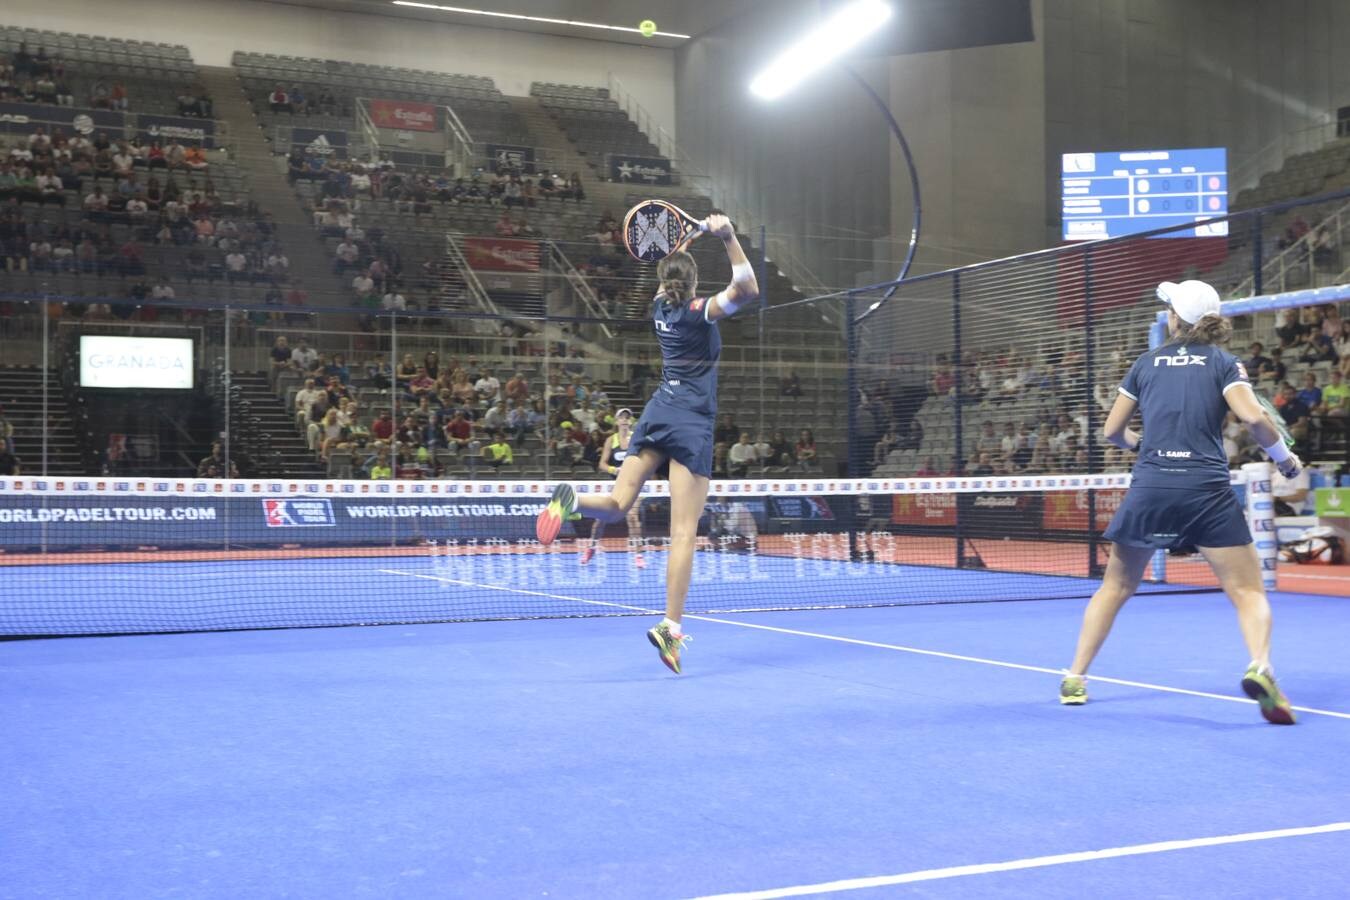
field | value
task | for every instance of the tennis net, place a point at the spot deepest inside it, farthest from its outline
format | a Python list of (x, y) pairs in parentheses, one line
[(118, 556)]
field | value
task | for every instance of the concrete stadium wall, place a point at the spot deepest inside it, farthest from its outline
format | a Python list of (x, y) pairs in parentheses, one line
[(214, 30), (811, 166)]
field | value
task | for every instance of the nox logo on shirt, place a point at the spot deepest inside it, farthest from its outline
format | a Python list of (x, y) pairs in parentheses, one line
[(1181, 358)]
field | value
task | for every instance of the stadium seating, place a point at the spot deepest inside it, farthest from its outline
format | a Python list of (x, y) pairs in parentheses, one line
[(154, 74), (594, 123)]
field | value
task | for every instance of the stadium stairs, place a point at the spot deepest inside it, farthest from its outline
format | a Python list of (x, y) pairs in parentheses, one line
[(546, 133), (271, 191), (287, 453), (21, 397)]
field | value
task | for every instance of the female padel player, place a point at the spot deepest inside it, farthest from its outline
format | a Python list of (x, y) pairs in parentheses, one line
[(611, 458), (676, 425), (1179, 494)]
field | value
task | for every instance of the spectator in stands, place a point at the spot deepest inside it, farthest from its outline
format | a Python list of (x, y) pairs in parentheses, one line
[(1257, 360), (984, 464), (175, 155), (575, 190), (393, 300), (1335, 396), (987, 441), (1273, 369), (279, 100), (487, 387), (1310, 395), (363, 285), (1010, 442), (805, 451), (517, 388), (1293, 410), (741, 456), (889, 441), (421, 384), (303, 356), (459, 433), (117, 96), (381, 470), (305, 401), (236, 267), (505, 227), (790, 386), (299, 103), (498, 453), (194, 158), (944, 378), (1316, 347), (100, 96), (780, 451), (9, 463), (215, 463), (382, 429), (96, 204), (495, 418)]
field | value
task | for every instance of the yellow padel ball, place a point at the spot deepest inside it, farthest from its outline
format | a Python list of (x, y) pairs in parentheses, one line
[(647, 27)]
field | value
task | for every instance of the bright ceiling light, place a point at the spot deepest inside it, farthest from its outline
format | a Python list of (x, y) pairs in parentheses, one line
[(837, 35), (523, 18)]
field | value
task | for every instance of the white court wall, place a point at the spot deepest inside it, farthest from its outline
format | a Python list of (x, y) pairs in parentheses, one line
[(214, 29)]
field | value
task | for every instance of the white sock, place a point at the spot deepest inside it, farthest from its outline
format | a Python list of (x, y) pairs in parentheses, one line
[(672, 625)]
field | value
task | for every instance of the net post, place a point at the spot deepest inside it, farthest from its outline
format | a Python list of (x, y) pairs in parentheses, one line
[(228, 381), (851, 376), (959, 455), (1261, 518), (1257, 287), (1095, 568), (763, 304), (46, 362)]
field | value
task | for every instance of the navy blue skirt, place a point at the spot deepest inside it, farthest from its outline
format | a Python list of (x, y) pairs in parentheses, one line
[(1171, 518), (681, 434)]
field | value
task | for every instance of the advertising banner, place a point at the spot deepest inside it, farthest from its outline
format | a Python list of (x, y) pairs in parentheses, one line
[(502, 254), (21, 118), (214, 522), (508, 156), (403, 114), (313, 142), (1068, 510), (639, 169), (923, 509), (176, 128)]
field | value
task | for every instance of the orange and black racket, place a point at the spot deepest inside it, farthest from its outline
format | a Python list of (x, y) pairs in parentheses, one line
[(654, 229)]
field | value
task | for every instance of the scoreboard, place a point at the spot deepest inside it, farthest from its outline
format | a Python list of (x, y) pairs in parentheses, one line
[(1106, 195)]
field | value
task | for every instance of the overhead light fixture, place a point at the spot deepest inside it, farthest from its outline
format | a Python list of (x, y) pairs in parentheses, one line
[(573, 23), (834, 37)]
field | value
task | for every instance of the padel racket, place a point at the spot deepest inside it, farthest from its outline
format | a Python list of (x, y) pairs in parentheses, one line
[(654, 229), (1276, 420)]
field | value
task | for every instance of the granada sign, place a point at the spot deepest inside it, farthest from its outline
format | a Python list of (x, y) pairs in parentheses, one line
[(501, 254), (404, 114)]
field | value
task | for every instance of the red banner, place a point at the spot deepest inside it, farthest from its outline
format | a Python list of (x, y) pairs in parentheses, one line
[(502, 254), (923, 509), (404, 114), (1068, 510)]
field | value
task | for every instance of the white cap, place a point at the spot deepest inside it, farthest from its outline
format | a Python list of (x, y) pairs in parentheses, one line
[(1190, 300)]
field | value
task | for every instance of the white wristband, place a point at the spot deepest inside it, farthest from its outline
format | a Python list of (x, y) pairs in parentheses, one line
[(1277, 452), (742, 272)]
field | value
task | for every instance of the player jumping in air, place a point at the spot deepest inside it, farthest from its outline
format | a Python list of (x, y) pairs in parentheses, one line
[(1179, 494), (676, 424)]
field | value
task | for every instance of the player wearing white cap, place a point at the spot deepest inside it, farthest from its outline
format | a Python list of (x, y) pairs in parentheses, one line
[(1179, 493)]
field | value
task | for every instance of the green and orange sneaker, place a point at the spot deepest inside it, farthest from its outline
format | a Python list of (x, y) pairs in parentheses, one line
[(668, 644), (562, 507), (1073, 690), (1259, 684)]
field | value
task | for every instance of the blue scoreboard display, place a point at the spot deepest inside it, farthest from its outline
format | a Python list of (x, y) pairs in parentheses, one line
[(1108, 195)]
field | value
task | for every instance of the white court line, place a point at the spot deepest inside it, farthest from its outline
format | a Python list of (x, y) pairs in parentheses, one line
[(1035, 862), (900, 648)]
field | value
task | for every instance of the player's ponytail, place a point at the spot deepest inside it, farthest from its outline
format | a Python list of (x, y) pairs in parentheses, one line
[(1211, 329), (679, 277)]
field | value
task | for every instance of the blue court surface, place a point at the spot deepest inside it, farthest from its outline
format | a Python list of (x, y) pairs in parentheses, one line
[(879, 752)]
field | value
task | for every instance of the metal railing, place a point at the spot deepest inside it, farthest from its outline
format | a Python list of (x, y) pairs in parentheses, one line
[(1300, 257), (580, 285), (454, 251)]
